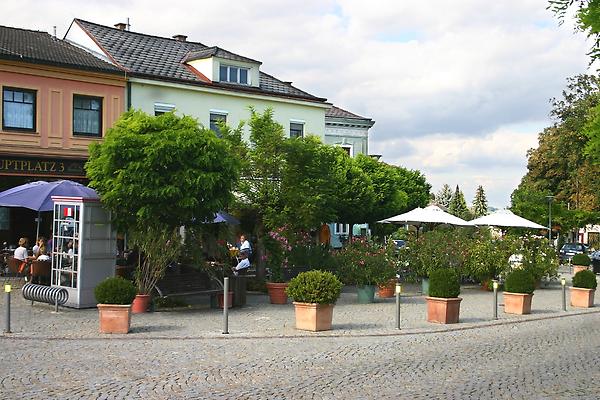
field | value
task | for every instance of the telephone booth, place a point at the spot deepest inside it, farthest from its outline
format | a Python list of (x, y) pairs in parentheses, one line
[(83, 248)]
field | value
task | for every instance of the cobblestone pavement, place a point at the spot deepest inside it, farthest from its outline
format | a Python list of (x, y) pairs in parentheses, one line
[(550, 354)]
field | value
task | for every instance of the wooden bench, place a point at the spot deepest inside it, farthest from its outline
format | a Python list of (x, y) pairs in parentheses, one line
[(186, 283)]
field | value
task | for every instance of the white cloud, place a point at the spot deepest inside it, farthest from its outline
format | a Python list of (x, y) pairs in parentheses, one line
[(445, 81)]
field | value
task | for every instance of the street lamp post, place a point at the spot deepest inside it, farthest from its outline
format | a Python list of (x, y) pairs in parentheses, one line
[(550, 198)]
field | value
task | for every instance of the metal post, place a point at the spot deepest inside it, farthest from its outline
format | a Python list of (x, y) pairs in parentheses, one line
[(563, 283), (550, 198), (56, 304), (495, 286), (398, 291), (7, 289), (225, 306)]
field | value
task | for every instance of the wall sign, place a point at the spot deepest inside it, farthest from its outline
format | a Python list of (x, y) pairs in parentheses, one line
[(41, 166)]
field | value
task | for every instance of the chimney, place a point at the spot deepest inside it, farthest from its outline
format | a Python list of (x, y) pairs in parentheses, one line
[(121, 26), (180, 38)]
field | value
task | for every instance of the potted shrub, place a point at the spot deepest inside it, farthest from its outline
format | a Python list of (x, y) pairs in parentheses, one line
[(114, 296), (314, 294), (276, 247), (580, 262), (584, 287), (518, 292), (158, 247), (443, 303)]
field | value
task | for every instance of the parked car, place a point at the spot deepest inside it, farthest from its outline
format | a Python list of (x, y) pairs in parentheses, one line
[(569, 250), (595, 257), (399, 243)]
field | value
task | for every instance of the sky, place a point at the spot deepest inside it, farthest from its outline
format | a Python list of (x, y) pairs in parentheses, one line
[(457, 89)]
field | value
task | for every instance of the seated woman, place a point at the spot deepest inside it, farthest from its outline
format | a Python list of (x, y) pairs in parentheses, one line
[(42, 255), (22, 255)]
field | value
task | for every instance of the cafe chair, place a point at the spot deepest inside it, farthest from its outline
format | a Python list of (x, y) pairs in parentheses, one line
[(40, 270), (16, 269)]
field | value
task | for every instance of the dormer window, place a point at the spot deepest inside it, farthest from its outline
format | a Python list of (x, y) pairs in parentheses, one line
[(233, 74)]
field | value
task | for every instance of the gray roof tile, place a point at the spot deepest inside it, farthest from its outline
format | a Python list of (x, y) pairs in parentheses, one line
[(163, 58), (41, 48)]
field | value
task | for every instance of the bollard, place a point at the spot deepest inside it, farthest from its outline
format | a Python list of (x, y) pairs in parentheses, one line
[(563, 283), (225, 306), (398, 291), (495, 286), (7, 289)]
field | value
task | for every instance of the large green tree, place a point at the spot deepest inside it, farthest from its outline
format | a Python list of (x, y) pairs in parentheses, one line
[(587, 17), (458, 205), (155, 174), (443, 197)]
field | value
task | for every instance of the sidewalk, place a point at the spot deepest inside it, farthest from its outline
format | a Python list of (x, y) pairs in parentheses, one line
[(261, 319)]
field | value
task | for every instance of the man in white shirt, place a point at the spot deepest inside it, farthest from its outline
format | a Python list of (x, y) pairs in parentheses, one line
[(21, 251), (245, 246), (243, 265)]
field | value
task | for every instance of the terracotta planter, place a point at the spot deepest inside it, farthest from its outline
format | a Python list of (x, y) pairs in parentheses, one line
[(443, 311), (140, 303), (517, 303), (581, 297), (313, 317), (388, 290), (277, 293), (114, 318), (220, 298), (577, 268)]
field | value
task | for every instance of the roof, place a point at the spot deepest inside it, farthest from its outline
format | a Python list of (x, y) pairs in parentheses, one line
[(215, 51), (162, 58), (42, 48), (343, 115)]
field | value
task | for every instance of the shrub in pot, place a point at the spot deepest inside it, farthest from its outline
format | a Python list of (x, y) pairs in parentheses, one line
[(314, 294), (584, 287), (114, 296), (443, 303), (518, 292), (580, 262)]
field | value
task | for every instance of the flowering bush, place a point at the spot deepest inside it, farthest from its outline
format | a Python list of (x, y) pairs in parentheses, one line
[(539, 257), (488, 257), (364, 262)]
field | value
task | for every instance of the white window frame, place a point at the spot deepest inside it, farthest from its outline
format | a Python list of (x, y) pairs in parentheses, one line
[(297, 122), (237, 81), (221, 113), (163, 108), (345, 229), (349, 147)]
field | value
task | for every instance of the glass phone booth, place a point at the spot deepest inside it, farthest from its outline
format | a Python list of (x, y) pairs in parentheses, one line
[(83, 248)]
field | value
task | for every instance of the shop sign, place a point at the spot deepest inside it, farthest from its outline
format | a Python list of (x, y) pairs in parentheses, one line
[(41, 166)]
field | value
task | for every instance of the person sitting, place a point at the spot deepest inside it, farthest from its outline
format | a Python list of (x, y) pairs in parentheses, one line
[(22, 255), (36, 249), (42, 255), (243, 265)]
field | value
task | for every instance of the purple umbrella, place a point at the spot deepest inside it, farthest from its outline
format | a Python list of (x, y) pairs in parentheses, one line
[(222, 216), (37, 195)]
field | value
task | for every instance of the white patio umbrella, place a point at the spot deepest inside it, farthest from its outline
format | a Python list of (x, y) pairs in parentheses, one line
[(427, 215), (505, 219)]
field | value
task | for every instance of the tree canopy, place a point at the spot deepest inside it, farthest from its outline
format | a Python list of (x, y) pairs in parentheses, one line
[(163, 170), (458, 205), (480, 205)]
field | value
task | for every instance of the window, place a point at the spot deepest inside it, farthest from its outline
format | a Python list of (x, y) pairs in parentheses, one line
[(348, 149), (229, 73), (296, 130), (341, 229), (18, 109), (215, 118), (87, 115), (162, 108)]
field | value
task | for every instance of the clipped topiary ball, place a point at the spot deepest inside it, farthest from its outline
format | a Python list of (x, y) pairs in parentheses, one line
[(115, 290), (444, 283), (519, 281), (320, 287), (585, 279), (581, 259)]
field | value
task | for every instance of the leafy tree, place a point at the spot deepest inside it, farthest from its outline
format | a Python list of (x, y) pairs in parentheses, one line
[(587, 18), (157, 173), (480, 205), (458, 205), (415, 185), (444, 196)]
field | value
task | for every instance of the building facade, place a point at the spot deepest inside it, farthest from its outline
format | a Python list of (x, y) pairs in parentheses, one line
[(56, 100)]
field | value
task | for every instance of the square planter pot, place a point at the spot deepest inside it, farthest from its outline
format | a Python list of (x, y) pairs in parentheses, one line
[(313, 317), (581, 297), (517, 303), (277, 293), (114, 318), (443, 311), (221, 298), (365, 294)]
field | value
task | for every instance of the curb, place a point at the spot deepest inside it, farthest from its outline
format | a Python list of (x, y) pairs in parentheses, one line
[(314, 335)]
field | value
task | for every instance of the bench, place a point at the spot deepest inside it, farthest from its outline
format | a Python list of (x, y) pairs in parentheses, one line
[(186, 284)]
